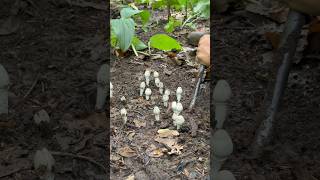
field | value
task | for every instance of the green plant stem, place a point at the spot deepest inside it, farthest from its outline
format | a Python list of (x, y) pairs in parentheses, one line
[(191, 17), (134, 50)]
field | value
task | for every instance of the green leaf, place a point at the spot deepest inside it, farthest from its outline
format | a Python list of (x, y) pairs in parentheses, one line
[(113, 39), (203, 7), (171, 25), (124, 29), (128, 12), (145, 16), (138, 44), (164, 42)]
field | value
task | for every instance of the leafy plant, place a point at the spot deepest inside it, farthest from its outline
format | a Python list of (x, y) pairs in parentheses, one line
[(164, 42), (172, 24), (123, 29)]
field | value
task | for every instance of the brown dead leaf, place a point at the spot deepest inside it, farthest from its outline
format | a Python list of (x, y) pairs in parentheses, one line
[(172, 144), (130, 135), (127, 152), (153, 151), (167, 133), (131, 177), (139, 124)]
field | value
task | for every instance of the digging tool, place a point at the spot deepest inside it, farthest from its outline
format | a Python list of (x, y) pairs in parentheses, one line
[(283, 59), (193, 39)]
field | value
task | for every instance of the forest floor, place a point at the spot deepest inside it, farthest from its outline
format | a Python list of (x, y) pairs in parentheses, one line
[(53, 67), (240, 54), (137, 150)]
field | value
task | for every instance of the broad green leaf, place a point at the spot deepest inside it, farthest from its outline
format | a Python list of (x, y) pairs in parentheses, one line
[(203, 7), (145, 16), (128, 12), (113, 39), (124, 30), (138, 44), (164, 42)]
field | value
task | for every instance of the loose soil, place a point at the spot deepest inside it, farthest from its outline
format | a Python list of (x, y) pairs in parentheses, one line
[(294, 151), (140, 131), (52, 60)]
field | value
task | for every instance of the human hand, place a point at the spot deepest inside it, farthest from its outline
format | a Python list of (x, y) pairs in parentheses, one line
[(203, 50)]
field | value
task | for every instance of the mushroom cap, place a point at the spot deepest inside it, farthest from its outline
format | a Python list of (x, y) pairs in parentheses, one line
[(179, 119), (165, 97), (123, 111), (157, 80), (167, 92), (179, 107), (225, 175), (148, 92), (160, 84), (142, 85), (103, 74), (222, 91), (122, 98), (4, 77), (155, 74), (156, 110), (174, 105), (179, 90), (43, 158), (147, 73), (222, 144)]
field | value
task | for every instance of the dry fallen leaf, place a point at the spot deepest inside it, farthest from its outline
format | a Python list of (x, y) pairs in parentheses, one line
[(167, 133), (131, 177), (127, 152), (130, 135), (172, 144), (153, 151), (139, 124)]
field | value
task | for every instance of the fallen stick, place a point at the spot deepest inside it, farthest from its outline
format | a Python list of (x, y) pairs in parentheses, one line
[(55, 153), (283, 60)]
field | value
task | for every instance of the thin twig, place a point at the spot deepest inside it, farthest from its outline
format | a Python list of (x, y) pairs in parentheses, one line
[(13, 172), (80, 157), (32, 87)]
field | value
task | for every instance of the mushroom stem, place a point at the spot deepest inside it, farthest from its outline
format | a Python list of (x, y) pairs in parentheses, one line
[(4, 84), (102, 79)]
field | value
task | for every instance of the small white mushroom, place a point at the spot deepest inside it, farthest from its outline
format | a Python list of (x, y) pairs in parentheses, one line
[(167, 92), (111, 90), (4, 84), (179, 108), (156, 112), (174, 107), (123, 99), (174, 118), (102, 92), (165, 99), (157, 81), (179, 93), (147, 76), (142, 87), (161, 87), (123, 113), (179, 121), (148, 93), (44, 161), (155, 74)]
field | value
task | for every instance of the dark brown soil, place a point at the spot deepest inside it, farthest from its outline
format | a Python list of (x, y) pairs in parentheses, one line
[(52, 60), (126, 76), (294, 151)]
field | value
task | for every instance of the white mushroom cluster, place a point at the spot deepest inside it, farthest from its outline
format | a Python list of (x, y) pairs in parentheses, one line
[(148, 88)]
